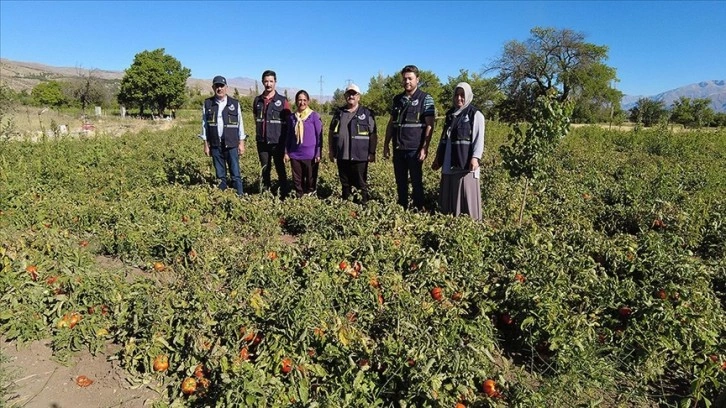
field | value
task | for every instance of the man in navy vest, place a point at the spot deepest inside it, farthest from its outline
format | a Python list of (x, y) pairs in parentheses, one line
[(410, 128), (352, 144), (271, 112), (223, 134)]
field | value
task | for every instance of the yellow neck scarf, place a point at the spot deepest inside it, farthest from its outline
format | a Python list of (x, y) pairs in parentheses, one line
[(300, 126)]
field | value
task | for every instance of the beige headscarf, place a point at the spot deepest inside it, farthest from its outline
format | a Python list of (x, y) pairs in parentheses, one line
[(300, 125), (468, 96)]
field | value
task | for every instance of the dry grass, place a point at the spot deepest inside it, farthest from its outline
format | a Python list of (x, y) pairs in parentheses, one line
[(30, 123)]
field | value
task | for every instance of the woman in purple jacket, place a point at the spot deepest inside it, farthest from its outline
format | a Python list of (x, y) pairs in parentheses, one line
[(304, 145)]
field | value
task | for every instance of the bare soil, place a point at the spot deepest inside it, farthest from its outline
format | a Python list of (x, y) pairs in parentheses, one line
[(38, 381)]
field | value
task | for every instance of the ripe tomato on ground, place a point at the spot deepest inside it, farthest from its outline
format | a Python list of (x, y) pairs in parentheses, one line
[(436, 293), (189, 386), (286, 365), (161, 363)]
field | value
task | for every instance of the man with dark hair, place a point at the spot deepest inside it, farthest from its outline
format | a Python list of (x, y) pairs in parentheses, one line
[(410, 128), (223, 134), (271, 111)]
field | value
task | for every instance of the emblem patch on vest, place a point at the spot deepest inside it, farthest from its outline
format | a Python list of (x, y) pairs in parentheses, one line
[(278, 103), (414, 103), (231, 107), (466, 118), (362, 116)]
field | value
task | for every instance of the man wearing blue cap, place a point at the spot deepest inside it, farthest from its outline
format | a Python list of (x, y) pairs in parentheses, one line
[(223, 134)]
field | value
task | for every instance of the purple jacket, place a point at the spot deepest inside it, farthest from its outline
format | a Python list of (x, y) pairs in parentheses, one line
[(312, 143)]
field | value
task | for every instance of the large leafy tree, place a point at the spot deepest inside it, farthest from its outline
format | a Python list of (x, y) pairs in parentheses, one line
[(692, 112), (648, 112), (155, 80), (551, 60)]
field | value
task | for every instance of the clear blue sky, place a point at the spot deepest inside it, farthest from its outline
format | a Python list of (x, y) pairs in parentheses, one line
[(655, 46)]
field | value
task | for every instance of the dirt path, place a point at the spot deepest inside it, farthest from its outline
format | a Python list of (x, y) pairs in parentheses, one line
[(39, 381)]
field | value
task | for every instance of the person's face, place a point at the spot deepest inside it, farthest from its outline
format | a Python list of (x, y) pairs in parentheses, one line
[(220, 90), (269, 83), (459, 98), (410, 81), (301, 102), (352, 98)]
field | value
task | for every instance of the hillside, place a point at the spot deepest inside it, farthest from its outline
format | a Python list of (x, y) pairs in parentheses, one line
[(26, 75), (715, 90)]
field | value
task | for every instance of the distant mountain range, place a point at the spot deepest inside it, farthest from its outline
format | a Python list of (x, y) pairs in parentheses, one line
[(25, 75), (714, 90)]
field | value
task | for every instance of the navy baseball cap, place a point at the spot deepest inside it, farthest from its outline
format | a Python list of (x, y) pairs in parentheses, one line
[(219, 80)]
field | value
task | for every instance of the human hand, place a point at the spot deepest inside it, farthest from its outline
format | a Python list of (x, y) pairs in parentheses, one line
[(422, 154), (386, 152), (474, 164), (206, 150)]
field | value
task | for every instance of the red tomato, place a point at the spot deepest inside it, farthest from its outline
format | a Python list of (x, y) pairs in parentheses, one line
[(436, 293)]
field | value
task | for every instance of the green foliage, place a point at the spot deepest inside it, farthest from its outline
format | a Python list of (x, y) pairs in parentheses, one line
[(692, 113), (613, 289), (532, 145), (486, 93), (553, 59), (49, 94), (381, 91), (155, 80), (648, 112)]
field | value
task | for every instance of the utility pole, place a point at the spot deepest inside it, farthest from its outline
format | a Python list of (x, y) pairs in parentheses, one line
[(321, 89)]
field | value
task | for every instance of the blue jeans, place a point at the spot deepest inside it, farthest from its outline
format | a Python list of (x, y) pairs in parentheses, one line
[(223, 158), (406, 162)]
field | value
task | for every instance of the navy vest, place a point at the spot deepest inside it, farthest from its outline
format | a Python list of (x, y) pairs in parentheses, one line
[(231, 117), (462, 149), (359, 131), (272, 121), (409, 123)]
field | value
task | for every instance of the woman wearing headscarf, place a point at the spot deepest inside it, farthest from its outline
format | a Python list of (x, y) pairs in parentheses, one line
[(304, 145), (458, 154)]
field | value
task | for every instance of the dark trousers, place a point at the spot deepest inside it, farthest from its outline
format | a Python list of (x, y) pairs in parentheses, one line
[(405, 163), (276, 152), (304, 176), (223, 158), (353, 174)]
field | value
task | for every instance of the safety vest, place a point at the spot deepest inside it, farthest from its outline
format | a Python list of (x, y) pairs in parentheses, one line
[(409, 123), (231, 116), (462, 148), (269, 124), (359, 132)]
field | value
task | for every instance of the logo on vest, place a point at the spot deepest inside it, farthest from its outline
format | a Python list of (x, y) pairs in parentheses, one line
[(414, 103), (362, 116), (231, 108), (278, 103), (466, 118)]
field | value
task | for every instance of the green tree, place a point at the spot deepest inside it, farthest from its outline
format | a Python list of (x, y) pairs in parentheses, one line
[(155, 80), (49, 93), (551, 59), (338, 98), (486, 92), (692, 113), (648, 112), (529, 149), (381, 90)]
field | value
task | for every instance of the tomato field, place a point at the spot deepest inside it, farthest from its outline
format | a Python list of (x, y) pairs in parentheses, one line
[(611, 292)]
